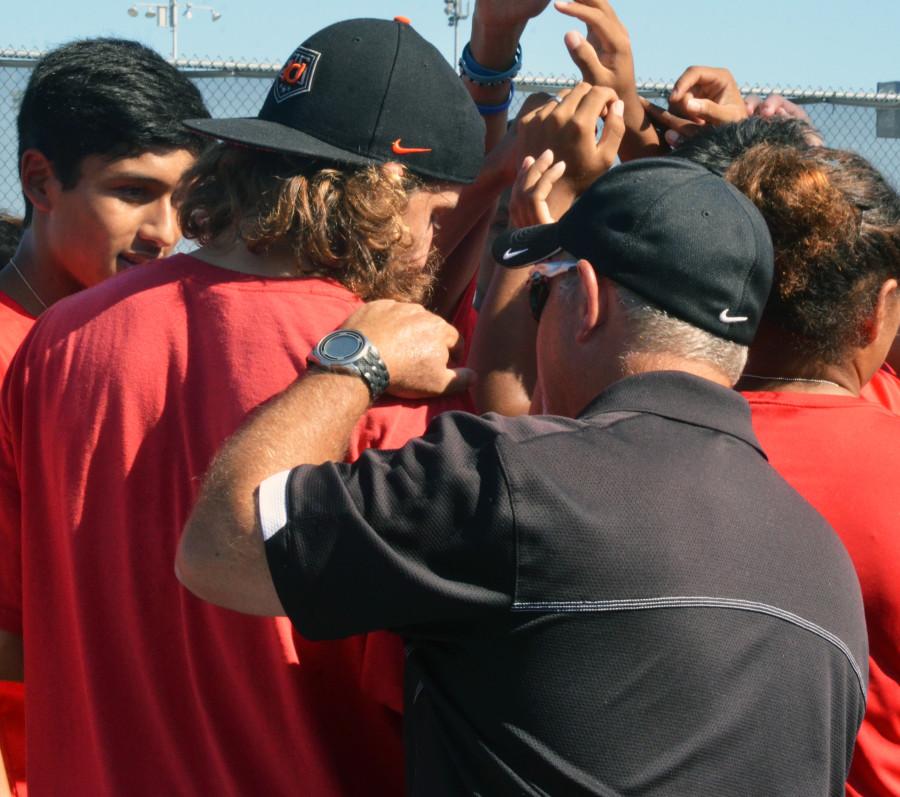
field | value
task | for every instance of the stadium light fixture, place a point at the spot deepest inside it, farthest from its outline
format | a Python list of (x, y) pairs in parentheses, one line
[(455, 14), (166, 15)]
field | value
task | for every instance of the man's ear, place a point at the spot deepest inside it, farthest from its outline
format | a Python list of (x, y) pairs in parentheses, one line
[(592, 301), (39, 182)]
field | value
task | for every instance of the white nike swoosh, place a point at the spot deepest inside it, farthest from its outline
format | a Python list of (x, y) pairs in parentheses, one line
[(509, 254), (731, 319)]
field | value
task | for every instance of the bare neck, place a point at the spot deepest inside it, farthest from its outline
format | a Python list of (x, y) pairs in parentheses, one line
[(635, 364), (235, 256), (777, 364), (32, 278), (589, 384)]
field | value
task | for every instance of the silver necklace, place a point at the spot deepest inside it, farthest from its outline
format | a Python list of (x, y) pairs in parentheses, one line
[(34, 293), (792, 379)]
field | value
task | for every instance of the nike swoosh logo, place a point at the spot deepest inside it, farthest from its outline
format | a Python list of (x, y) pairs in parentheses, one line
[(509, 254), (398, 149), (731, 319)]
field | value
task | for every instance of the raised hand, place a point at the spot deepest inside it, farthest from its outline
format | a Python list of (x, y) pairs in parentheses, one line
[(605, 59), (568, 127), (777, 107), (416, 345), (706, 94), (508, 13), (674, 128), (528, 203), (506, 157)]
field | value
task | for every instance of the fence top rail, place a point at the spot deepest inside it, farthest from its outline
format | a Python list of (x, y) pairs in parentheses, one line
[(207, 67), (217, 68), (661, 88)]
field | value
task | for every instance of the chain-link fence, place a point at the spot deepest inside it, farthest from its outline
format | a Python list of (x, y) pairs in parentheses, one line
[(866, 122)]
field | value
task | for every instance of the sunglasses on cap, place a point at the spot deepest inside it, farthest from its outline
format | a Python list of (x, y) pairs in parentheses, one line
[(539, 282)]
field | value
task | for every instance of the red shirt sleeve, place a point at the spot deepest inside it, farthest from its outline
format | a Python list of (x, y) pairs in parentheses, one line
[(465, 318), (10, 527)]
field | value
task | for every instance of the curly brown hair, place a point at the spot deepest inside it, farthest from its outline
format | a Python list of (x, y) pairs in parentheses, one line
[(835, 225), (339, 222)]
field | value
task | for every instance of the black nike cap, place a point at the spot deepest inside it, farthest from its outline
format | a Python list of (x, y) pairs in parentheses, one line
[(672, 232), (366, 91)]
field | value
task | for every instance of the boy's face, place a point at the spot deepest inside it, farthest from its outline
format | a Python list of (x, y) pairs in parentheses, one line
[(422, 216), (119, 214)]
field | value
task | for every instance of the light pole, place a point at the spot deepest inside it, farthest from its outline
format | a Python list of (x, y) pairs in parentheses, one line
[(167, 16), (455, 14)]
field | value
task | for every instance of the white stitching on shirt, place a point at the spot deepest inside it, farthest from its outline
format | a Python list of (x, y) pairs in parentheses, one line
[(688, 601), (273, 499)]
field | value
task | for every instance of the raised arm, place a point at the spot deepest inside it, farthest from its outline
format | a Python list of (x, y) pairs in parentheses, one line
[(708, 95), (497, 26), (777, 107), (703, 95), (605, 59), (503, 352)]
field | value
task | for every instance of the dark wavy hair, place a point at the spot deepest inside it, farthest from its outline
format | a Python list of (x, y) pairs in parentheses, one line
[(717, 147), (108, 97), (835, 225)]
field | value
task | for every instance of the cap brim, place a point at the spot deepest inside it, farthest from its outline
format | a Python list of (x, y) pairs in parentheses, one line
[(274, 137), (525, 247)]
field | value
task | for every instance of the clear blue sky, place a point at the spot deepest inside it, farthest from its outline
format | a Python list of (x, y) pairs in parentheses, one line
[(832, 43)]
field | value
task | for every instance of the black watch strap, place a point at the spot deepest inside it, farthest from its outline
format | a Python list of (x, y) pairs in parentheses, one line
[(373, 372)]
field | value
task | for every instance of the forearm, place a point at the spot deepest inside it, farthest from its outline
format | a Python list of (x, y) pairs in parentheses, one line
[(494, 47), (12, 666), (221, 557), (4, 779), (641, 138), (463, 232), (459, 268), (503, 352)]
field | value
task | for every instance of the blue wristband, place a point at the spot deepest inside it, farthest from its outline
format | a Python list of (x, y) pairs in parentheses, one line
[(470, 69), (490, 110)]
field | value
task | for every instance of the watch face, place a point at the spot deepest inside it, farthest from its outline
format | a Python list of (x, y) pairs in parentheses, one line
[(342, 346)]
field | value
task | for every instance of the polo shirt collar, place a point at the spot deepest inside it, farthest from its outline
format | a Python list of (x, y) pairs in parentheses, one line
[(681, 397)]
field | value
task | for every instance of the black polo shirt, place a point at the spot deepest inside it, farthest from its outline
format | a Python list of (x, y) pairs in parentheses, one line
[(630, 602)]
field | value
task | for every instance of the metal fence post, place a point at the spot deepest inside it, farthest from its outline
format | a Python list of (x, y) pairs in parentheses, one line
[(887, 120)]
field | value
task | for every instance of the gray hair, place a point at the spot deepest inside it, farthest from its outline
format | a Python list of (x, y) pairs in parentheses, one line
[(653, 331)]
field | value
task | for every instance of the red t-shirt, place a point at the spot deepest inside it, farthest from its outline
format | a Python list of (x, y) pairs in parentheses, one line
[(112, 411), (884, 389), (843, 456), (15, 322), (465, 318)]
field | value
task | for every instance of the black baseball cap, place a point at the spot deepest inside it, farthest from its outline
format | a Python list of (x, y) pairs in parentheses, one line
[(366, 91), (672, 232)]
